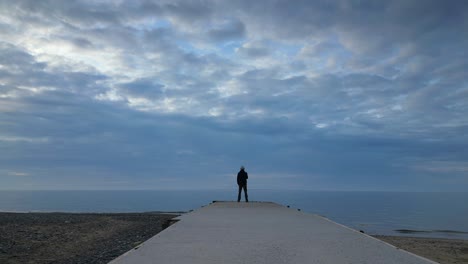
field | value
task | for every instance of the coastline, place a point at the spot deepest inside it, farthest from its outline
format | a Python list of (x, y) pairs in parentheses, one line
[(101, 237)]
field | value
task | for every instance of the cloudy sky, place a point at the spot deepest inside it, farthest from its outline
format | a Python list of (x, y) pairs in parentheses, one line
[(316, 95)]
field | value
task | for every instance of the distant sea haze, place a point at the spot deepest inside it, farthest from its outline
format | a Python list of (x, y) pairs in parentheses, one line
[(424, 214)]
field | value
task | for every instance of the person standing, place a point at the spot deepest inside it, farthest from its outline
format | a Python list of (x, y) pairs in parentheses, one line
[(242, 177)]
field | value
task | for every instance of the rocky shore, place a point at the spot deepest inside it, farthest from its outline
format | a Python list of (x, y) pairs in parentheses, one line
[(74, 238)]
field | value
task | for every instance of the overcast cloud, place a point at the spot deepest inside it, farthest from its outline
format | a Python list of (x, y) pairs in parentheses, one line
[(320, 95)]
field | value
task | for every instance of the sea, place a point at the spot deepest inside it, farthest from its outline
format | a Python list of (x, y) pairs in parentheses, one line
[(420, 214)]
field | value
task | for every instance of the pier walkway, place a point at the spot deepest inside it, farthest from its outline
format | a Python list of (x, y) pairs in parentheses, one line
[(262, 232)]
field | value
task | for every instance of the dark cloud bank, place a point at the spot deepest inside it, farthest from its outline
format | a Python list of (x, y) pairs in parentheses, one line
[(321, 95)]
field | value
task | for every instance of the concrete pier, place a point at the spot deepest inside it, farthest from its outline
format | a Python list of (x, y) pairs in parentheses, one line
[(261, 232)]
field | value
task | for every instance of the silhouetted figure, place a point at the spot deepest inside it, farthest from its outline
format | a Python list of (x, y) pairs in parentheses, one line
[(242, 177)]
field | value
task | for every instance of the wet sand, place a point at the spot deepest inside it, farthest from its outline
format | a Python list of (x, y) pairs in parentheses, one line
[(446, 251), (99, 238)]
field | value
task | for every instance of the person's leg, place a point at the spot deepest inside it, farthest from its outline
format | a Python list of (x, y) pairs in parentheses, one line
[(245, 193), (239, 194)]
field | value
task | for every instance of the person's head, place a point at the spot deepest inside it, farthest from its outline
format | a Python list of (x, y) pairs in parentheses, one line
[(242, 168)]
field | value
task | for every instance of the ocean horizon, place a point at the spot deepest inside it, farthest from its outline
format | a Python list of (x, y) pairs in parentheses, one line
[(421, 214)]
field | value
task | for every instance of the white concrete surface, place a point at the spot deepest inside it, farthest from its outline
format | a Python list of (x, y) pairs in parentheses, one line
[(231, 232)]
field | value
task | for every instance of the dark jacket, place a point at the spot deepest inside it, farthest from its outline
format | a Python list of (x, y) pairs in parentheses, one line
[(242, 177)]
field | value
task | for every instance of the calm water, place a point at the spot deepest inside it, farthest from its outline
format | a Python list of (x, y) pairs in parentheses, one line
[(372, 212)]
